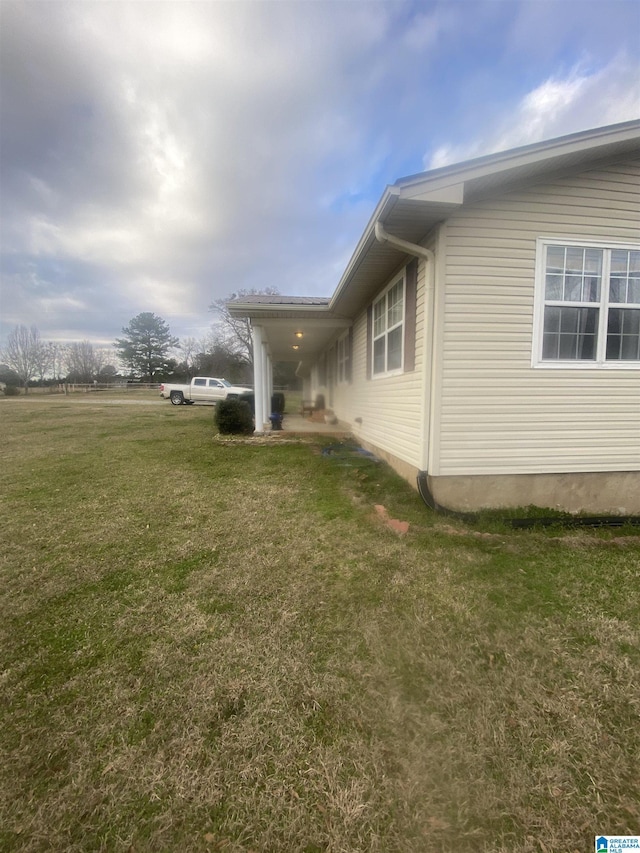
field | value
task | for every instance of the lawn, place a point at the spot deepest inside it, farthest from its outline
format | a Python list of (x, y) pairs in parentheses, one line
[(214, 646)]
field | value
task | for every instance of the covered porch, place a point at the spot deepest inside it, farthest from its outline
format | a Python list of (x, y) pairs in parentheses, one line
[(287, 328)]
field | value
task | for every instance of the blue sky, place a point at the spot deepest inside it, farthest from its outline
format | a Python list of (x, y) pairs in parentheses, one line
[(159, 156)]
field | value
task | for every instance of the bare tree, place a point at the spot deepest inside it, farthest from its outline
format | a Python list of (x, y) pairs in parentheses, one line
[(234, 333), (23, 352), (57, 359), (84, 362), (43, 360), (189, 348)]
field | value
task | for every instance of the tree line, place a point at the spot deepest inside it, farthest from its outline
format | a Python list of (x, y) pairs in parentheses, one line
[(146, 351)]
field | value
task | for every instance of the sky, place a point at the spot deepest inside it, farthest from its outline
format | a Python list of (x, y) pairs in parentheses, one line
[(158, 156)]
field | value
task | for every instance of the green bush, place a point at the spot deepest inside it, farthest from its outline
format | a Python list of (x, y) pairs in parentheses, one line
[(11, 391), (233, 417)]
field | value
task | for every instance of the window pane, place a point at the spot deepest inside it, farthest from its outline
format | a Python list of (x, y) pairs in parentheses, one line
[(378, 355), (624, 282), (623, 334), (379, 317), (553, 289), (570, 333), (394, 353), (555, 259), (593, 261), (575, 260), (617, 290), (591, 289), (631, 321), (550, 344), (552, 319), (573, 288), (630, 350), (619, 262), (394, 301)]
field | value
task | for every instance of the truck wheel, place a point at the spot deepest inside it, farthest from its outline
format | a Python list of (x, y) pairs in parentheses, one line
[(176, 398)]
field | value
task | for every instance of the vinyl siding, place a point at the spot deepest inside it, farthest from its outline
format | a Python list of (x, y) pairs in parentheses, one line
[(497, 414), (391, 408)]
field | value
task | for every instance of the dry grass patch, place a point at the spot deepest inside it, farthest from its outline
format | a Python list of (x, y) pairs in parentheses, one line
[(216, 647)]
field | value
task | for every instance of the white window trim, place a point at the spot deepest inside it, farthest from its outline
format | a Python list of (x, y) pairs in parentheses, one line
[(397, 371), (600, 363)]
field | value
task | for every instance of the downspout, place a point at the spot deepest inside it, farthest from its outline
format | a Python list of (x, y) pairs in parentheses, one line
[(423, 476), (429, 340)]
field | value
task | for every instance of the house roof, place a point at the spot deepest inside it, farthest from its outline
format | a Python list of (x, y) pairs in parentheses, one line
[(412, 206)]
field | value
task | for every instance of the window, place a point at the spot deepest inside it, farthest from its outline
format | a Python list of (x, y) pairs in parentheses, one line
[(388, 325), (589, 304), (342, 357)]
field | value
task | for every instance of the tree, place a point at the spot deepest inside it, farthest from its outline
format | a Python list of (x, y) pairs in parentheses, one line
[(189, 352), (84, 362), (234, 333), (216, 360), (57, 359), (145, 346), (23, 353), (43, 361)]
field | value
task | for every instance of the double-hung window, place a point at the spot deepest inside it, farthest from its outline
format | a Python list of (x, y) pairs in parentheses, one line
[(588, 304), (388, 329)]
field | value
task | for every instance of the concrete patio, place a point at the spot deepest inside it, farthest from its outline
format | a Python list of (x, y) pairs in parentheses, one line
[(296, 423)]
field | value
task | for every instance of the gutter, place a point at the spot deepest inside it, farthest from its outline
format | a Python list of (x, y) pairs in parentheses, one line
[(429, 256)]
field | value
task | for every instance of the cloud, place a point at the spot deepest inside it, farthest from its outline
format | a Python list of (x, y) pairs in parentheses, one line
[(157, 156), (556, 107)]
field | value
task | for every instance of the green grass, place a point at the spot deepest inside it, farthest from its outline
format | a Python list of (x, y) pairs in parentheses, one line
[(213, 646)]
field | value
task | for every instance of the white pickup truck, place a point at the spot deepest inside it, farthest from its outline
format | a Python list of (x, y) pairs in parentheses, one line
[(202, 389)]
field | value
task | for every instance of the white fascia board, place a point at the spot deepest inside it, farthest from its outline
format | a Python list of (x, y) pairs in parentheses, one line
[(251, 309), (490, 164)]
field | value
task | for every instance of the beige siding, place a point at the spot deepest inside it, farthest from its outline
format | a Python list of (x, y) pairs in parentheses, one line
[(391, 408), (497, 414)]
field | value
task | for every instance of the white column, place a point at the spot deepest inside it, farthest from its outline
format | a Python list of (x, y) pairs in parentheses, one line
[(266, 399), (258, 376), (270, 377)]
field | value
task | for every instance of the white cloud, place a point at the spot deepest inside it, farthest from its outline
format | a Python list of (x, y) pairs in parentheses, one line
[(178, 151), (560, 105)]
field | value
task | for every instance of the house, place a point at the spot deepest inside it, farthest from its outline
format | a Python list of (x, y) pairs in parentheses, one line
[(485, 335)]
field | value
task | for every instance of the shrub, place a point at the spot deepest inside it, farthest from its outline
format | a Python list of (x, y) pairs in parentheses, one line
[(11, 391), (233, 417)]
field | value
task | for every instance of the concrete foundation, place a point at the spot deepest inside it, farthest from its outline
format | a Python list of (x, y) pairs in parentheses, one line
[(616, 493), (606, 493)]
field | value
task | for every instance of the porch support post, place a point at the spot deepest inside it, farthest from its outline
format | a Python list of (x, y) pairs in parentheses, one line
[(258, 377), (270, 377), (266, 399)]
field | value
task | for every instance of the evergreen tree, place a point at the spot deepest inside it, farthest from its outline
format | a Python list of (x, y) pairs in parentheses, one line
[(145, 346)]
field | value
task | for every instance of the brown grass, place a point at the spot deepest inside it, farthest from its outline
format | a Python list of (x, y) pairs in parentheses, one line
[(219, 647)]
